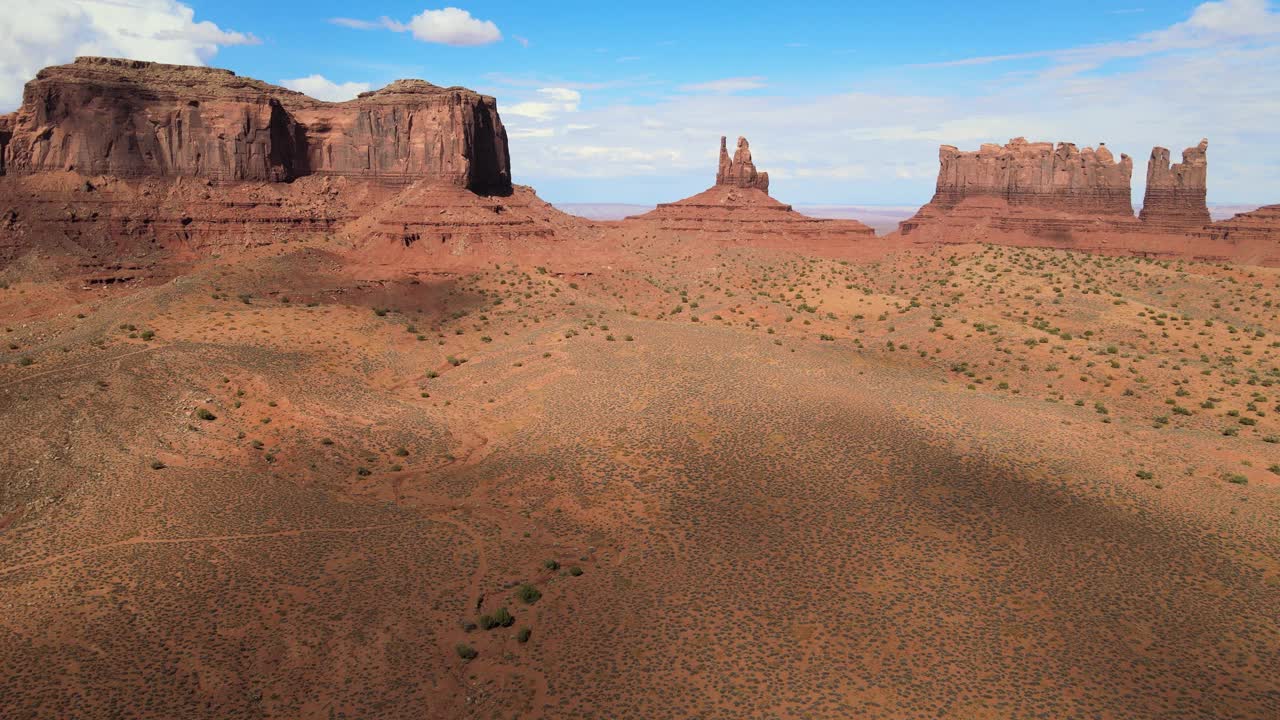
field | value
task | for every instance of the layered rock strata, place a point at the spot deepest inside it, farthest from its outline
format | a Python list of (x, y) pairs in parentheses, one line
[(132, 119), (738, 207), (1037, 174), (110, 159), (1175, 196)]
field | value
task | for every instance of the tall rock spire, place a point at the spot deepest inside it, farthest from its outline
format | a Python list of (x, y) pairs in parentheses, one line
[(740, 171)]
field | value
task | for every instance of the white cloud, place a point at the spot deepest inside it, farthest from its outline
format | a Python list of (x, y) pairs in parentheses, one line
[(1211, 75), (552, 101), (322, 88), (52, 32), (447, 26), (726, 85), (1212, 24)]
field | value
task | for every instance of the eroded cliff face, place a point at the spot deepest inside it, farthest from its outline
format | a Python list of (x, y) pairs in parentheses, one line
[(6, 132), (740, 171), (132, 119), (1037, 174), (1175, 196)]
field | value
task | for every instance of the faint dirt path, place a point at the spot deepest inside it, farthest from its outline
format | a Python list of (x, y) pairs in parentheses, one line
[(297, 532), (91, 363)]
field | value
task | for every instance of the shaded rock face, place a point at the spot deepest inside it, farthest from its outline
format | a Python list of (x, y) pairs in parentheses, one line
[(132, 119), (6, 132), (740, 171), (1060, 178), (1175, 194)]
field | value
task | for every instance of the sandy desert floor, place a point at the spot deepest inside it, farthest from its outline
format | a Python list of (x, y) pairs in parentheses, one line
[(970, 482)]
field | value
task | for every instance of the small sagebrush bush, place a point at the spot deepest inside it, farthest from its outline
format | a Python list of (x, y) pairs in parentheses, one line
[(528, 594)]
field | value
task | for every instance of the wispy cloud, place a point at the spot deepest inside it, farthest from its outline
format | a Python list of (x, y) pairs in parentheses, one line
[(552, 101), (726, 85), (447, 26), (1211, 24)]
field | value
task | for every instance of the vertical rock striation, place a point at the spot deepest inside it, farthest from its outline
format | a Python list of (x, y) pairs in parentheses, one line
[(740, 171), (6, 132), (133, 119), (1060, 178), (1175, 196)]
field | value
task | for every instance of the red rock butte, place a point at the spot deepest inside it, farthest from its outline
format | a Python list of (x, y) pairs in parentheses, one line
[(1039, 194), (110, 159), (132, 119), (739, 206)]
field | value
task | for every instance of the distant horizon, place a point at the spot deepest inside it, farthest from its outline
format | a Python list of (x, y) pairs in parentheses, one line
[(840, 104)]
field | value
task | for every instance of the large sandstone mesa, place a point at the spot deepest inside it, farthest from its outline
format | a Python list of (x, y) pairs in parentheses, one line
[(1038, 174), (133, 119), (113, 161), (1175, 196), (1025, 189), (738, 207), (740, 171)]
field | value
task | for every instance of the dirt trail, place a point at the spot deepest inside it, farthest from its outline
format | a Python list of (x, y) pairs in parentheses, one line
[(297, 532), (78, 366)]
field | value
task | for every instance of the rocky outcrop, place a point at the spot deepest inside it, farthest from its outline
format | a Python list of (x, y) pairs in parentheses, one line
[(407, 131), (6, 132), (740, 171), (1061, 178), (1035, 189), (1175, 196), (738, 207), (132, 119), (1035, 195)]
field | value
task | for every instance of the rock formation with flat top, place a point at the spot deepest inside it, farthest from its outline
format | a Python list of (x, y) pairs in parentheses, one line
[(1175, 196), (740, 171), (134, 119), (109, 159), (1037, 174)]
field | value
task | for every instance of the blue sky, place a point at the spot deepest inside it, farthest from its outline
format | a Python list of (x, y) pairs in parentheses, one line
[(843, 102)]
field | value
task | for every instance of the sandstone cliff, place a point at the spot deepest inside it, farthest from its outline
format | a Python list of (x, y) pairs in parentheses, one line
[(132, 119), (1037, 174), (740, 171), (1175, 196), (6, 132)]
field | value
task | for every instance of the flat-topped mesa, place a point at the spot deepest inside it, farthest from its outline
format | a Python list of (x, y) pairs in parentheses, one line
[(134, 119), (1060, 178), (740, 171), (1175, 194)]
